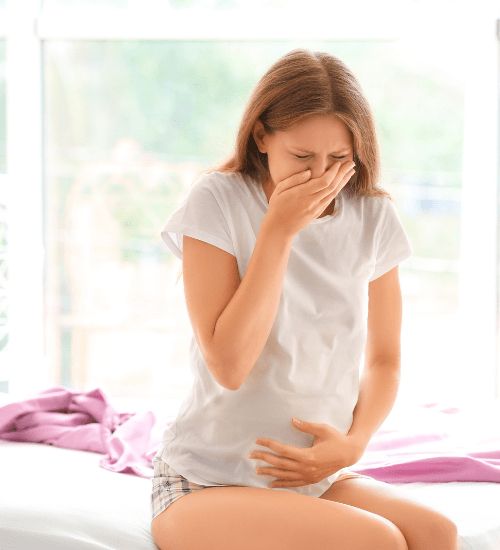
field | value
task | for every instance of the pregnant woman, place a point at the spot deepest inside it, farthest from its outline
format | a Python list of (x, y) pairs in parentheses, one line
[(290, 254)]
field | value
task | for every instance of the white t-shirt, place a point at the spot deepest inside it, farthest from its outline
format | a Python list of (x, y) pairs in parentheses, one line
[(310, 365)]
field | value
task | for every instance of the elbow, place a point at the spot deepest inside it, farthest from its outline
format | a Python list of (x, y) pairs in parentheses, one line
[(227, 381), (226, 370), (232, 388), (227, 384), (221, 373)]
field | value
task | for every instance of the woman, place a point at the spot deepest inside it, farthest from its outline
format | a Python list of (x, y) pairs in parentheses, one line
[(284, 245)]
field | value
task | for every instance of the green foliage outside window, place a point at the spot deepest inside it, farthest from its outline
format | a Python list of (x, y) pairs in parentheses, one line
[(182, 102)]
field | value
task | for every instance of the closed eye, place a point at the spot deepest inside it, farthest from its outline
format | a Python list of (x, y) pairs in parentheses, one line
[(305, 156)]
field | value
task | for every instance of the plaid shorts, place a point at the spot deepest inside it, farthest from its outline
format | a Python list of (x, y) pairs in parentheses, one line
[(168, 485)]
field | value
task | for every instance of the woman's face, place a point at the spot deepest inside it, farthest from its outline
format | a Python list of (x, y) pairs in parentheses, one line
[(314, 143)]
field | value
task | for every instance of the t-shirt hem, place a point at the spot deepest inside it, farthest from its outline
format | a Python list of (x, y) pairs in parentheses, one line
[(387, 266), (195, 234)]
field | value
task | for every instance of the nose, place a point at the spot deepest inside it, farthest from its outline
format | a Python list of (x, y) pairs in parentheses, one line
[(319, 166)]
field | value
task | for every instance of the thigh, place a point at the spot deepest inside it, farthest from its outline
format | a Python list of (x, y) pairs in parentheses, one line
[(422, 526), (246, 518)]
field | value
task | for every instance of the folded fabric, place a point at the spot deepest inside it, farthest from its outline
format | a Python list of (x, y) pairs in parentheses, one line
[(86, 421), (436, 443), (431, 443)]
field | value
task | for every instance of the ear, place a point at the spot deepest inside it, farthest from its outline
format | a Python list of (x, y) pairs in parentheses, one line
[(259, 135)]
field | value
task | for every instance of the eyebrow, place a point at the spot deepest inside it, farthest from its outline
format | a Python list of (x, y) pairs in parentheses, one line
[(344, 150)]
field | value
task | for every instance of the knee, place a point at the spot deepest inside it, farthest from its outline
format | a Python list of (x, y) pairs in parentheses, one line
[(447, 533), (438, 533), (399, 541), (394, 538)]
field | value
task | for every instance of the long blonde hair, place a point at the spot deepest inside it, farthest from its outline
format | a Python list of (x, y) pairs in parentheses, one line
[(299, 84)]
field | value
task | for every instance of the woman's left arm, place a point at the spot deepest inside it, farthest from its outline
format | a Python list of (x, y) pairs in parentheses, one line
[(381, 374), (332, 449)]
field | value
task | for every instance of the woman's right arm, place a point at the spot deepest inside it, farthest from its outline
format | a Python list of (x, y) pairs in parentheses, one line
[(242, 330), (232, 320)]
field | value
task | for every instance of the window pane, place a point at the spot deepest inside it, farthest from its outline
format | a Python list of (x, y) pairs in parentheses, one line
[(129, 124)]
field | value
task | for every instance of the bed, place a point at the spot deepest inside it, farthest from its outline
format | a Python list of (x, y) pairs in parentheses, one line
[(59, 498)]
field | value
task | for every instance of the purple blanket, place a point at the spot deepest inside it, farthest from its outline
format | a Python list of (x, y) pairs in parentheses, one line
[(432, 443), (436, 443), (89, 422)]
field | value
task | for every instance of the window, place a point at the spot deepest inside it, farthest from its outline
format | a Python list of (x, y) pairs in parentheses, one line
[(132, 112), (129, 124)]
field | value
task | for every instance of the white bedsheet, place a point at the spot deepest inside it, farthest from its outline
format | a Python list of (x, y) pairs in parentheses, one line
[(473, 506), (55, 498)]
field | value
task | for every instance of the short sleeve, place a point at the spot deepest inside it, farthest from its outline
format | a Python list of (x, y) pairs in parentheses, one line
[(392, 246), (201, 216)]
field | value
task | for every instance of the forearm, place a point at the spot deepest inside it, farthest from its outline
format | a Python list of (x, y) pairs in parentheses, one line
[(378, 390), (243, 328)]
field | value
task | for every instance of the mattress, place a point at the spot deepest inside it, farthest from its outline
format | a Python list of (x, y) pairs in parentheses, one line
[(57, 498)]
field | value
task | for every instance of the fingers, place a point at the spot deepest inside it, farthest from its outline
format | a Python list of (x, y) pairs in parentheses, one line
[(285, 478), (282, 460), (301, 177), (338, 170), (284, 451), (331, 173), (279, 473), (348, 175)]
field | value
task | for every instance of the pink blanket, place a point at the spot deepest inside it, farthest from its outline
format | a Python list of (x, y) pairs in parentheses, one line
[(436, 443), (89, 422), (426, 444)]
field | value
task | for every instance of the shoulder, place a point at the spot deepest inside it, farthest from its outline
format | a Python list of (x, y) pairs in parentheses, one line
[(229, 190), (376, 202), (221, 181), (370, 208)]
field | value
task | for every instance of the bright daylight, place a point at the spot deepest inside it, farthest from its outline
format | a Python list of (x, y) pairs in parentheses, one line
[(250, 275)]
